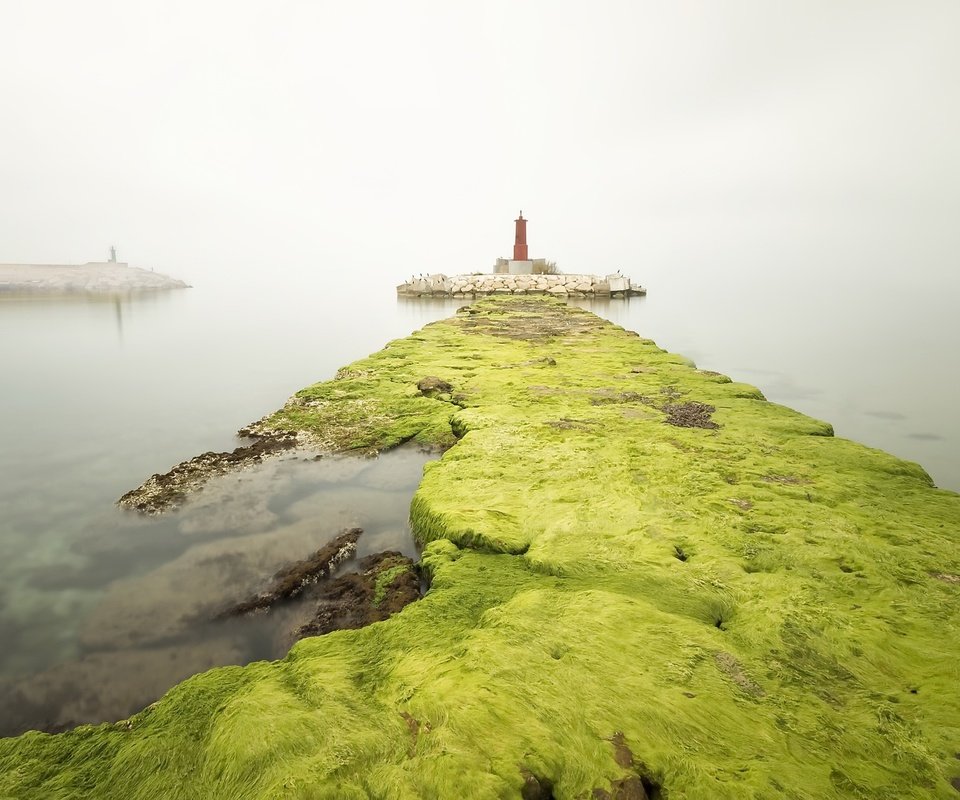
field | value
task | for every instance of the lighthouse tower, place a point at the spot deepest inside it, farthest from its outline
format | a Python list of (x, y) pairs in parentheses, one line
[(521, 263), (520, 240)]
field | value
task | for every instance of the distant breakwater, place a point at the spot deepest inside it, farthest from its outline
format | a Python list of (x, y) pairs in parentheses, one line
[(485, 284), (94, 278)]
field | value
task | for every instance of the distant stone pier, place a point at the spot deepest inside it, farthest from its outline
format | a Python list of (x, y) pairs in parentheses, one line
[(485, 284), (94, 277)]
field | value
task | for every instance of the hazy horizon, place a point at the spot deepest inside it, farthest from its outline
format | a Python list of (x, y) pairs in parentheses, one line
[(748, 140)]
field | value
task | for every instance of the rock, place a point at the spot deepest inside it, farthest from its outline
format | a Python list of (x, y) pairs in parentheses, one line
[(294, 578), (618, 283), (384, 584), (535, 788), (168, 490), (576, 285), (631, 788), (431, 386), (195, 586)]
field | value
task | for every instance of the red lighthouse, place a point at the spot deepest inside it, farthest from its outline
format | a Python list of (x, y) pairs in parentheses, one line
[(520, 242)]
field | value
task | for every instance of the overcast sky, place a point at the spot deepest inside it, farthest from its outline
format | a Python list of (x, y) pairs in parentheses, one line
[(382, 138)]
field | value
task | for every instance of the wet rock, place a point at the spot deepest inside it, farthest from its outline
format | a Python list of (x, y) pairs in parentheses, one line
[(293, 579), (194, 586), (535, 787), (631, 788), (621, 751), (161, 492), (385, 583)]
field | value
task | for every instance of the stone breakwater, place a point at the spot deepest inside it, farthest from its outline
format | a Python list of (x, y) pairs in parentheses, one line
[(97, 277), (556, 285)]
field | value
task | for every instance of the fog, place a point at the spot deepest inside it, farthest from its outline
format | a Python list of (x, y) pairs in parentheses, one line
[(746, 141)]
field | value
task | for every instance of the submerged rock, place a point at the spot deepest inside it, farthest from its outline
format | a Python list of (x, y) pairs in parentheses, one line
[(168, 601), (383, 585), (293, 579), (167, 490)]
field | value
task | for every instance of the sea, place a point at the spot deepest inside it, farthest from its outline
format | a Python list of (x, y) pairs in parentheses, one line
[(102, 610)]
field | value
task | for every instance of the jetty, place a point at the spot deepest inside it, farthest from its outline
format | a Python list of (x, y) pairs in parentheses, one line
[(478, 285), (93, 277), (521, 275), (644, 581)]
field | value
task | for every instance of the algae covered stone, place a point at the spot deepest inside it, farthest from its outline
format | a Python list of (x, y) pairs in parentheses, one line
[(644, 578)]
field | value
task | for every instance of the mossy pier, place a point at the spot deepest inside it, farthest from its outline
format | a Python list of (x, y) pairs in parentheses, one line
[(645, 581)]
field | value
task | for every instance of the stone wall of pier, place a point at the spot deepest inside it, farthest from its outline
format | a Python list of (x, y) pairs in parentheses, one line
[(559, 285)]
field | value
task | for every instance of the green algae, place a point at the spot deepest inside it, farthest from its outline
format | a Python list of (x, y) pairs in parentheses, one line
[(385, 578), (752, 610)]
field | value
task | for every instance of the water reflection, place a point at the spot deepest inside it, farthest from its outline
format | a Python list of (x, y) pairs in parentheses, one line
[(78, 307), (56, 301), (151, 587), (615, 309)]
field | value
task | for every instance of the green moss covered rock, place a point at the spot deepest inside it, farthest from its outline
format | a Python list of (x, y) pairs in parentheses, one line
[(646, 581)]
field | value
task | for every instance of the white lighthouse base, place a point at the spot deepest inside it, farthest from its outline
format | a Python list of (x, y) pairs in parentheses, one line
[(507, 266)]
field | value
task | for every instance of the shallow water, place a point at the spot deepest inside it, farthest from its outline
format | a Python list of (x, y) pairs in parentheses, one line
[(140, 594)]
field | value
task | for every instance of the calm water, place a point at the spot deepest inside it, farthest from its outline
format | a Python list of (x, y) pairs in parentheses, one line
[(98, 395)]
